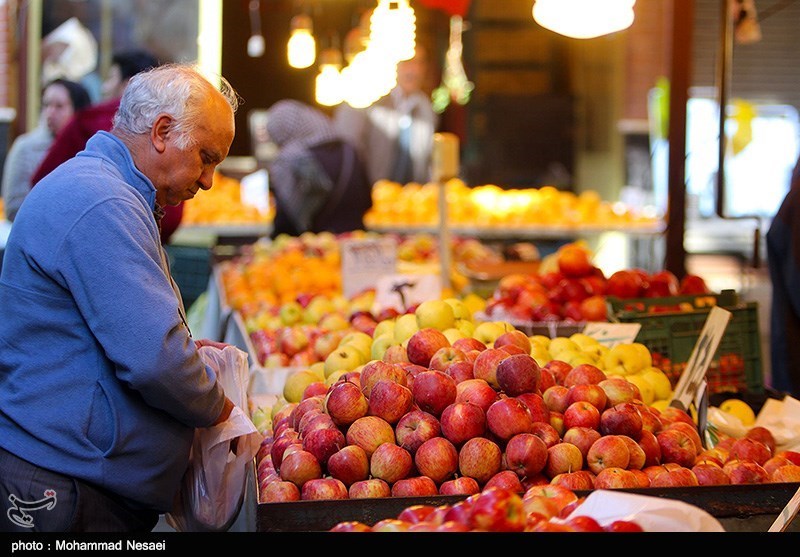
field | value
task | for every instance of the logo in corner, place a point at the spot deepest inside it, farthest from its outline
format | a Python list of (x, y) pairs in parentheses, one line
[(18, 514)]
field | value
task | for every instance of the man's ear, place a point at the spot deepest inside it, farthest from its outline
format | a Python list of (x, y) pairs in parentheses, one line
[(160, 132)]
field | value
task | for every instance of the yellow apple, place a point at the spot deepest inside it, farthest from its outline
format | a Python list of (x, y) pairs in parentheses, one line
[(647, 358), (660, 382), (360, 340), (560, 344), (465, 326), (625, 359), (296, 383), (380, 344), (346, 358), (404, 326), (575, 357), (460, 309), (505, 325), (385, 326), (645, 388), (452, 334), (660, 404), (334, 377), (583, 341), (290, 312), (540, 339), (363, 301), (474, 303), (436, 314), (540, 353), (487, 332), (334, 322), (317, 308), (318, 368)]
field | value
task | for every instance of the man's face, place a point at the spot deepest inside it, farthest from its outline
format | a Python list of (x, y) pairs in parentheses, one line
[(185, 171)]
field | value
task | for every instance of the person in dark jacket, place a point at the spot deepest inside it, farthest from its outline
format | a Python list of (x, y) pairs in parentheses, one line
[(783, 259), (318, 180)]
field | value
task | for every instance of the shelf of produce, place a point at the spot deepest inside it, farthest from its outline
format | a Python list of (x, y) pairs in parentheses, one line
[(512, 232), (751, 507), (212, 234)]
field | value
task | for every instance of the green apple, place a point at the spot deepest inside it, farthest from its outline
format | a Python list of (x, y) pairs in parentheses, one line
[(435, 314), (404, 326), (280, 403), (296, 383), (380, 344), (317, 308), (460, 309), (344, 358), (291, 313), (360, 340), (385, 326), (487, 332)]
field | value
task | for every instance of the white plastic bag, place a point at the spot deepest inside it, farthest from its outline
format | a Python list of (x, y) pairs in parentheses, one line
[(214, 484)]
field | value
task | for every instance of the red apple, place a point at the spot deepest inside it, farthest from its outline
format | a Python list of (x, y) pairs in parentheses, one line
[(559, 369), (573, 261), (774, 463), (445, 356), (619, 390), (480, 458), (710, 474), (476, 391), (556, 398), (372, 488), (299, 467), (460, 371), (437, 458), (748, 448), (461, 421), (390, 525), (485, 365), (615, 478), (536, 406), (351, 526), (691, 285), (279, 445), (323, 488), (433, 391), (562, 458), (625, 284), (610, 451), (662, 284), (462, 485), (498, 510), (588, 392), (594, 308), (677, 476), (650, 420), (369, 433), (313, 420), (676, 447), (579, 480), (582, 414), (691, 431), (559, 494), (345, 403), (423, 344), (324, 442), (508, 417), (581, 437), (525, 454), (518, 374), (313, 404), (416, 427), (793, 456), (505, 479), (416, 513), (761, 433), (789, 473), (390, 463), (278, 491), (375, 370), (652, 450), (671, 414), (467, 344), (515, 337), (621, 419), (557, 421), (638, 458), (583, 374), (416, 486), (546, 433), (349, 465), (623, 526), (390, 400), (745, 472), (546, 379), (396, 354)]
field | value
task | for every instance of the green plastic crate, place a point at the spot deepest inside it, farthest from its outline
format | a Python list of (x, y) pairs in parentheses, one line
[(191, 269), (671, 327)]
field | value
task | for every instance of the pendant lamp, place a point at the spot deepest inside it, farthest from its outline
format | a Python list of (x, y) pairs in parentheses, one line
[(584, 19)]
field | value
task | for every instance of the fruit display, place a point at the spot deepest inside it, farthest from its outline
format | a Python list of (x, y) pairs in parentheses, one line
[(223, 205), (498, 509), (492, 207), (568, 287), (437, 411)]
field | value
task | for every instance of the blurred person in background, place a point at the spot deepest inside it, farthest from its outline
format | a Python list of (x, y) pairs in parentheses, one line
[(86, 122), (318, 179), (394, 135), (61, 98), (102, 385), (783, 259)]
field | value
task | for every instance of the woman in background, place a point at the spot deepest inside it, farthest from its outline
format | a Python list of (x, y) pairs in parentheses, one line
[(61, 98)]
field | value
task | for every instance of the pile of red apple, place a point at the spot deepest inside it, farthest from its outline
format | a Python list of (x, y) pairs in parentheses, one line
[(495, 509), (577, 290), (458, 418)]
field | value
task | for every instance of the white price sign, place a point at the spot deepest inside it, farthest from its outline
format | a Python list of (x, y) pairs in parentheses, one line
[(611, 334), (364, 261), (405, 290)]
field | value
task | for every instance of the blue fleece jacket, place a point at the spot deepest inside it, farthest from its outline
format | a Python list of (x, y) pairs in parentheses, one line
[(99, 376)]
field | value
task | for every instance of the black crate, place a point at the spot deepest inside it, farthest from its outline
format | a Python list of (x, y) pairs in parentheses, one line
[(191, 269)]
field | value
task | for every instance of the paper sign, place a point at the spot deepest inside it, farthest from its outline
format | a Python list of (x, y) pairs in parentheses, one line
[(787, 514), (693, 377), (255, 190), (364, 261), (611, 334), (403, 291)]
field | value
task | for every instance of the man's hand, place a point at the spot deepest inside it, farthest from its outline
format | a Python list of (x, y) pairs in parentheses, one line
[(227, 408), (207, 342)]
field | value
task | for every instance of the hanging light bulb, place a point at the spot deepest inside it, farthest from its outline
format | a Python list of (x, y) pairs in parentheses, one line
[(584, 19), (302, 48), (393, 29), (329, 80), (367, 78)]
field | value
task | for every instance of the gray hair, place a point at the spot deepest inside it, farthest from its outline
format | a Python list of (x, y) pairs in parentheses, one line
[(174, 89)]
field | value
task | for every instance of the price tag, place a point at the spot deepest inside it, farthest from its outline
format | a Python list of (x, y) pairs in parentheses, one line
[(692, 380), (787, 514), (364, 261), (611, 334), (255, 190), (405, 290)]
